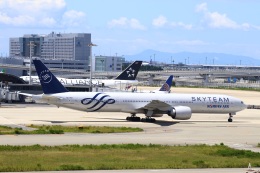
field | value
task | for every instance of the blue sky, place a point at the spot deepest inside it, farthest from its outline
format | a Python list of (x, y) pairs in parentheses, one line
[(130, 27)]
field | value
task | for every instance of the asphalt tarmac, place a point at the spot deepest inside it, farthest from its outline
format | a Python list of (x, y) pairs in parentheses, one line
[(242, 133)]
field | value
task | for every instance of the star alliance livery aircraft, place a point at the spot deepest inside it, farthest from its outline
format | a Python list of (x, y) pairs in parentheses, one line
[(166, 87), (177, 106), (126, 77)]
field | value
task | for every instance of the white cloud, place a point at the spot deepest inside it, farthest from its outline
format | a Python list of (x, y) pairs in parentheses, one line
[(159, 21), (21, 20), (162, 21), (256, 27), (126, 23), (183, 25), (135, 24), (122, 21), (48, 22), (32, 5), (202, 7), (43, 13), (217, 20), (73, 18)]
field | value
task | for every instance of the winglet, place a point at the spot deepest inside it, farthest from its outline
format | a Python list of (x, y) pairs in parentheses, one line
[(130, 72), (49, 83), (167, 85)]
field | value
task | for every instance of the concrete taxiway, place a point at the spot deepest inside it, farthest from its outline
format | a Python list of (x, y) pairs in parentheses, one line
[(210, 129), (242, 133)]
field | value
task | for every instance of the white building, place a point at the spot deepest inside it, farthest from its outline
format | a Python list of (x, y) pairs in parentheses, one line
[(109, 63)]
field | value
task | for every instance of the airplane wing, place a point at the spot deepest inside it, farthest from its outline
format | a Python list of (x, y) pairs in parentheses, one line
[(157, 105)]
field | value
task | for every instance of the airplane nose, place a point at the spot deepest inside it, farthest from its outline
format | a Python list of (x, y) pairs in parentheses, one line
[(244, 106)]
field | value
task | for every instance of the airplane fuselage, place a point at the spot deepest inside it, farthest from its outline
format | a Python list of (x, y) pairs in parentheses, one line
[(98, 82), (133, 102)]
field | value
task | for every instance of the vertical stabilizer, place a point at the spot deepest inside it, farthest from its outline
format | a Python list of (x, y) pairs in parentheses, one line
[(167, 85), (130, 72), (49, 83)]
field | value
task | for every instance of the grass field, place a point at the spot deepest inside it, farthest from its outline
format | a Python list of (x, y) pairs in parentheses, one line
[(67, 129), (124, 156)]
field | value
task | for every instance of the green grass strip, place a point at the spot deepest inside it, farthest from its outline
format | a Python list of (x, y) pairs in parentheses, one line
[(57, 129), (124, 156)]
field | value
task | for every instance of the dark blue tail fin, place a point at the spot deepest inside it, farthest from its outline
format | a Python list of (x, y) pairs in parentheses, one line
[(130, 72), (167, 85), (50, 84)]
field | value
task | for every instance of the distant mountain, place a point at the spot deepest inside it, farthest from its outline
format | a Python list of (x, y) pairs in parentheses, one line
[(194, 58)]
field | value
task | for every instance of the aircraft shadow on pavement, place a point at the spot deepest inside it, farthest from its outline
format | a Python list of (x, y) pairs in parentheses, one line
[(165, 123), (157, 122), (109, 120), (60, 122)]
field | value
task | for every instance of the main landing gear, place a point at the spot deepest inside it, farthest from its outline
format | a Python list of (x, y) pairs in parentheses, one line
[(147, 118), (133, 117), (230, 117)]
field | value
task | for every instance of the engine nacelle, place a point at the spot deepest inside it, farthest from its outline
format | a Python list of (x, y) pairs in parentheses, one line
[(180, 113)]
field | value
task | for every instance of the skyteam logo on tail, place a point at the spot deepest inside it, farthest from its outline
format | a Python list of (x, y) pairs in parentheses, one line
[(98, 101), (46, 76)]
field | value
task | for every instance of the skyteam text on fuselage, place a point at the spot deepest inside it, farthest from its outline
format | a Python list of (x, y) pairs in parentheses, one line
[(177, 106)]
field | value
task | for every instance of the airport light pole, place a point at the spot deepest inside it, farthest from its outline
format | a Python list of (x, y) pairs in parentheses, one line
[(90, 66), (102, 61), (30, 66), (62, 63)]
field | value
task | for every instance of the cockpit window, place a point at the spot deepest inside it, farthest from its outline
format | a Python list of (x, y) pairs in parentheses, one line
[(242, 102)]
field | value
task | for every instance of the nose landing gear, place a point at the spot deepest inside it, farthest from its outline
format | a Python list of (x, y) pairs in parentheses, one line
[(230, 119)]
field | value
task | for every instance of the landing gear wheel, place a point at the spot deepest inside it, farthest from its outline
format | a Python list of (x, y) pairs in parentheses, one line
[(230, 117), (150, 120), (133, 118)]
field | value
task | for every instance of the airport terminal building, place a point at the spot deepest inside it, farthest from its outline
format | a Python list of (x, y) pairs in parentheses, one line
[(56, 50), (72, 46), (109, 63)]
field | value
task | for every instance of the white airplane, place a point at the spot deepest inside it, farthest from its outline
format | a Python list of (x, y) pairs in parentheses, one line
[(177, 106), (126, 77)]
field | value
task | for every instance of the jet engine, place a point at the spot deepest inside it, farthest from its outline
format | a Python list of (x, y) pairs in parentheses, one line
[(180, 113)]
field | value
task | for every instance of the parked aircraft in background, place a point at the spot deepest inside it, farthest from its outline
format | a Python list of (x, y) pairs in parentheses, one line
[(177, 106), (127, 77), (166, 87)]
